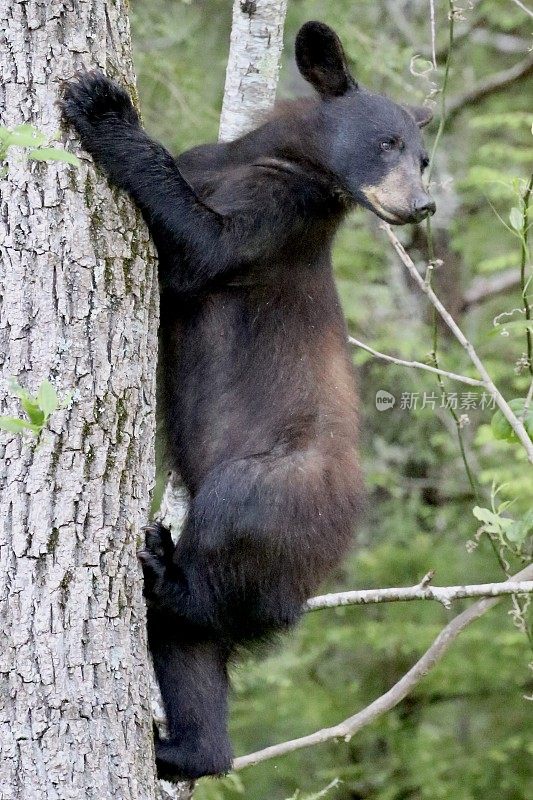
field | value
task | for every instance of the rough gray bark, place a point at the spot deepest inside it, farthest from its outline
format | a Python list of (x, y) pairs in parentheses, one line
[(79, 307), (253, 64)]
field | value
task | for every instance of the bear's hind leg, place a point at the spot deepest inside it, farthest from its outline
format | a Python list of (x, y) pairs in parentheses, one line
[(193, 680), (189, 664), (180, 590)]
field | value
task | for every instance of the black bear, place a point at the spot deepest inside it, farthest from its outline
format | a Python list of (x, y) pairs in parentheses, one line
[(258, 388)]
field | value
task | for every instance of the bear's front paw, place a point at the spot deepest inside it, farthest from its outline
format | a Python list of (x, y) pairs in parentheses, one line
[(155, 558), (92, 98)]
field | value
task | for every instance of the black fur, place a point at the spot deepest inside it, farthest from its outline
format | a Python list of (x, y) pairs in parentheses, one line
[(258, 387)]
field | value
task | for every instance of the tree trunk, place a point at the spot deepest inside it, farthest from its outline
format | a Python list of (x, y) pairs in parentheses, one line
[(253, 64), (79, 307)]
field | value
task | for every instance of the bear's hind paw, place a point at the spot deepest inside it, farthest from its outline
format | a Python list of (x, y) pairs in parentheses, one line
[(155, 557)]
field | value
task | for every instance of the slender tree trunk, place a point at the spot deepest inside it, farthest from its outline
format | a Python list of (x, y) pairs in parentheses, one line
[(78, 307), (253, 64)]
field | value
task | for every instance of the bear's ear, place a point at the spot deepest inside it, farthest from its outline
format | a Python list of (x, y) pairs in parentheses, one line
[(421, 114), (321, 60)]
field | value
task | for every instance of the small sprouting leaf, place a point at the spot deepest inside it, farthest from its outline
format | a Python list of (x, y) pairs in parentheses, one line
[(484, 514), (47, 399), (54, 154), (32, 410), (29, 403), (488, 518), (515, 218), (492, 522), (37, 408), (15, 425), (26, 136), (518, 531), (15, 388)]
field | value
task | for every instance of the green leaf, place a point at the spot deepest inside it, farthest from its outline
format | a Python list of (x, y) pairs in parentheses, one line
[(518, 531), (29, 403), (33, 410), (47, 398), (16, 389), (484, 515), (515, 218), (26, 136), (492, 522), (54, 154), (501, 428), (15, 425)]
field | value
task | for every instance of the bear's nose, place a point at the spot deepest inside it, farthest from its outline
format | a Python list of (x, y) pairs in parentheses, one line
[(424, 205)]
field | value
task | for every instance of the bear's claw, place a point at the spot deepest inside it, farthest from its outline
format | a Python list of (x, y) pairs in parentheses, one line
[(158, 540), (155, 557), (91, 97)]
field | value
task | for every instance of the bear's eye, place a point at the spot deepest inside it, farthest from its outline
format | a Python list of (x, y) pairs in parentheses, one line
[(392, 143)]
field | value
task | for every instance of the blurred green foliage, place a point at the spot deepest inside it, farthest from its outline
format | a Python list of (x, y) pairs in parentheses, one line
[(467, 731)]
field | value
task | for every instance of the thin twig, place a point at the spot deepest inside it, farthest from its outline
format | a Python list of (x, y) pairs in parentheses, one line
[(503, 42), (432, 26), (523, 7), (491, 388), (524, 251), (444, 87), (431, 253), (346, 729), (443, 594), (482, 289), (527, 404), (491, 85), (418, 364)]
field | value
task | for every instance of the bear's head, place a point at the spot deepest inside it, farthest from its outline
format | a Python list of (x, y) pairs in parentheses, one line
[(370, 143)]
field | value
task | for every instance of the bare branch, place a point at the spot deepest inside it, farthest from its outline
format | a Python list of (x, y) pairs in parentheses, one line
[(482, 289), (473, 33), (491, 85), (529, 398), (443, 594), (397, 13), (418, 364), (491, 388), (504, 42), (346, 729), (523, 7), (432, 26)]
